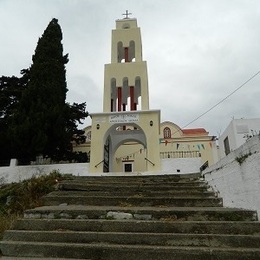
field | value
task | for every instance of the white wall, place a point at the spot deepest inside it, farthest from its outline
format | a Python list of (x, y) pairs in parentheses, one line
[(18, 173), (238, 185), (181, 165), (236, 131)]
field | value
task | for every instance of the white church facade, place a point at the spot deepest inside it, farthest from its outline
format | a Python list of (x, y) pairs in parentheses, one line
[(128, 136)]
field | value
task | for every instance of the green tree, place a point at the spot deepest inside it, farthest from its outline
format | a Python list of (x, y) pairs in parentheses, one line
[(11, 89), (44, 123)]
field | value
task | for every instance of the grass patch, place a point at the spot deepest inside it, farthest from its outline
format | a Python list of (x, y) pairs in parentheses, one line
[(15, 198), (6, 222), (125, 204)]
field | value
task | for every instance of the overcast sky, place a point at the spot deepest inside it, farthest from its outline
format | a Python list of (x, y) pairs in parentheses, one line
[(197, 51)]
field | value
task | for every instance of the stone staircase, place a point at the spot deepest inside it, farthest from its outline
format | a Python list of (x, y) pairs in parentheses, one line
[(134, 217)]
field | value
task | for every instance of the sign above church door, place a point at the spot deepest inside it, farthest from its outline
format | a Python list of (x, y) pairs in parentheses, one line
[(124, 118)]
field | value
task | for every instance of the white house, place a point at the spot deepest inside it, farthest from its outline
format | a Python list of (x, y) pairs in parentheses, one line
[(236, 134)]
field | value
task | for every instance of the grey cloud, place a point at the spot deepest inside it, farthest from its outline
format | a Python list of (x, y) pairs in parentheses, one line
[(197, 51)]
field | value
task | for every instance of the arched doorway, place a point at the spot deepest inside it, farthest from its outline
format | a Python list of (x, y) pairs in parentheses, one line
[(123, 145)]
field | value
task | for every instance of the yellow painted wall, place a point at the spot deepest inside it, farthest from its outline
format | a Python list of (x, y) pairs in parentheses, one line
[(183, 145), (98, 137), (180, 146), (130, 152)]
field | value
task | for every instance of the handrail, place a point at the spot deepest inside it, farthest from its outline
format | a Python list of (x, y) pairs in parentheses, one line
[(180, 154), (99, 163), (149, 161), (204, 166)]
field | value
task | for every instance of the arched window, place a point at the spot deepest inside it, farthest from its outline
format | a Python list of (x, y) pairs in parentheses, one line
[(166, 132)]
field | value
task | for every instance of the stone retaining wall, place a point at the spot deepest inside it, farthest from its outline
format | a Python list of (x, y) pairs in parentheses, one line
[(236, 177)]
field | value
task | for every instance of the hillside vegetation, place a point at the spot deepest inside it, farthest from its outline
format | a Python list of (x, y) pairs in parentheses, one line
[(15, 198)]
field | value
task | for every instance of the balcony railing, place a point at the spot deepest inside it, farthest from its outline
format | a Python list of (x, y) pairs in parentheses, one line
[(180, 154)]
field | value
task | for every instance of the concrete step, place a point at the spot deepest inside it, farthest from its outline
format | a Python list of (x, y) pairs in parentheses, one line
[(100, 251), (151, 226), (166, 194), (131, 201), (134, 217), (121, 181), (155, 213), (141, 178), (131, 238), (130, 187)]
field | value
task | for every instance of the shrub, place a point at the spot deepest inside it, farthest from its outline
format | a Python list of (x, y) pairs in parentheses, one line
[(17, 197)]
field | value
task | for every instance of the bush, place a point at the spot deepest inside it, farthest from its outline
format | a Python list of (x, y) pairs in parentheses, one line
[(15, 198)]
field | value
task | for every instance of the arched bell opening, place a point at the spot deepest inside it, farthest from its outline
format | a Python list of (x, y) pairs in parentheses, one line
[(131, 51), (137, 94), (120, 53), (125, 94), (113, 93)]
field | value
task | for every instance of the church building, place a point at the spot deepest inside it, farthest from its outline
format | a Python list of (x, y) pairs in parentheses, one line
[(128, 136)]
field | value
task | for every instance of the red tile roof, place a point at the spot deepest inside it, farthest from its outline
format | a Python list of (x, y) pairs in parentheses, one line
[(194, 131)]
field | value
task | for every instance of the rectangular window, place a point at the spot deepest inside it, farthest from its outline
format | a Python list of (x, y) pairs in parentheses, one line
[(226, 146)]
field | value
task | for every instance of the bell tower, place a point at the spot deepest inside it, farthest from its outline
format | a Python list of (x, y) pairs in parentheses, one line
[(126, 81), (125, 136)]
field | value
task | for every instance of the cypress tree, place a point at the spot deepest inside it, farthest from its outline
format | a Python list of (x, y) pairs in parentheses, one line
[(43, 123)]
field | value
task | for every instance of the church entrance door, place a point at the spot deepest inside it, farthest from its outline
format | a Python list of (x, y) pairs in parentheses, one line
[(128, 167)]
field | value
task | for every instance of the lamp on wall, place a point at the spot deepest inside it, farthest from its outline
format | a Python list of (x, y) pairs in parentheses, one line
[(151, 123), (98, 126)]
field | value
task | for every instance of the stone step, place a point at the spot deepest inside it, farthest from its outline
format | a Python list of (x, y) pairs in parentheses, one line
[(162, 213), (129, 187), (140, 182), (131, 238), (101, 225), (138, 177), (134, 217), (136, 182), (132, 201), (166, 194), (103, 251)]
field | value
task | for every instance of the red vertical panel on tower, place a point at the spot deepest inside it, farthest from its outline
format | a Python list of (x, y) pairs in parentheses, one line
[(112, 104), (132, 102), (126, 55), (119, 97)]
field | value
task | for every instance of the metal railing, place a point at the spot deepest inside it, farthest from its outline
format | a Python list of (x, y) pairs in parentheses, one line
[(4, 163), (99, 163), (204, 166), (180, 154), (149, 161)]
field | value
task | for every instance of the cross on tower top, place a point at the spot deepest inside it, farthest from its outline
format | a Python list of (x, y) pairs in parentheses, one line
[(127, 14)]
